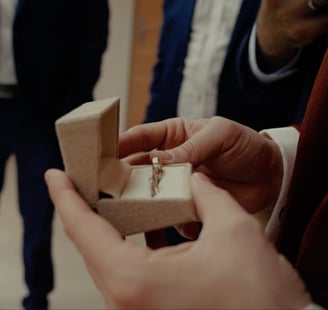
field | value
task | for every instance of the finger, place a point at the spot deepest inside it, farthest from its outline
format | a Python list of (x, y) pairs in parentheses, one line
[(62, 192), (215, 206), (204, 140), (140, 158), (89, 232), (146, 137)]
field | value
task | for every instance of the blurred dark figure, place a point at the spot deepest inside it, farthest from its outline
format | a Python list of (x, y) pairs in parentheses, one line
[(50, 60)]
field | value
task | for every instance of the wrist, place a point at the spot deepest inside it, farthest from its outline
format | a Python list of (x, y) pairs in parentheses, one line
[(271, 56), (270, 61), (274, 47)]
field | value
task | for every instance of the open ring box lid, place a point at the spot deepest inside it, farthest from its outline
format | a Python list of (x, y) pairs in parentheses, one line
[(88, 139)]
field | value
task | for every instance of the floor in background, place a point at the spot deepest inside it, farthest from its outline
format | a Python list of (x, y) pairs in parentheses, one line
[(74, 287)]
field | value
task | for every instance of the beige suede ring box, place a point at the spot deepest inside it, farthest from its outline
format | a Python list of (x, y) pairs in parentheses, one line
[(88, 138)]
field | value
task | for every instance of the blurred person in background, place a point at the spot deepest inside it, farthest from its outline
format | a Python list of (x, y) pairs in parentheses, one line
[(251, 61), (50, 60)]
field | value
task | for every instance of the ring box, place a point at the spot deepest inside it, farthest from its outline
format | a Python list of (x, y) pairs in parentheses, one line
[(120, 192)]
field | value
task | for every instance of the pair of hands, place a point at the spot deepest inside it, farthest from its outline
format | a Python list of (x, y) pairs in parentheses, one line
[(234, 156), (231, 264), (283, 27)]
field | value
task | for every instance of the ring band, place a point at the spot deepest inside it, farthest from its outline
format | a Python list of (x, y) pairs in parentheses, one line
[(157, 166), (311, 5), (156, 175)]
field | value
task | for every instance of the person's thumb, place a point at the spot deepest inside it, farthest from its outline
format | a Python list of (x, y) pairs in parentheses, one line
[(215, 207)]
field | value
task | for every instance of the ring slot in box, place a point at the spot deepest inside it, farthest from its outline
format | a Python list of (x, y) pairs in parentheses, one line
[(88, 139)]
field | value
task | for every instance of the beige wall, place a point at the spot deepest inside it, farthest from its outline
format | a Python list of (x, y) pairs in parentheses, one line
[(114, 80)]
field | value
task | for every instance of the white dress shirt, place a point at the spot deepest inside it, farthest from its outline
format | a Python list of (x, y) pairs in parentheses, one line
[(211, 30), (7, 67), (287, 140)]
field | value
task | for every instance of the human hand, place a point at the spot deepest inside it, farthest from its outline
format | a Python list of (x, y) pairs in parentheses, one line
[(231, 265), (285, 26), (234, 156)]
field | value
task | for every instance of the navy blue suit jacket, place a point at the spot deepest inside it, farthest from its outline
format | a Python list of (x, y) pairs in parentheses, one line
[(58, 47), (241, 97)]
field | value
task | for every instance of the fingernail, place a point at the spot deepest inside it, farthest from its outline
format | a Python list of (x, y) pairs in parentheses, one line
[(191, 230), (167, 156)]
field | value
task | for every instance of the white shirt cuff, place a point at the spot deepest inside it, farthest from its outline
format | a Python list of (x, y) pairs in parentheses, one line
[(267, 78), (313, 307), (287, 140)]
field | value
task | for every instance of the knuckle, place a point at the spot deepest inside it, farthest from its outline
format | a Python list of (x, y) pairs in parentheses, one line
[(189, 148)]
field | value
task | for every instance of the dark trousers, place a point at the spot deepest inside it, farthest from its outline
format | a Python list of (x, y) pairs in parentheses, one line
[(35, 147)]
